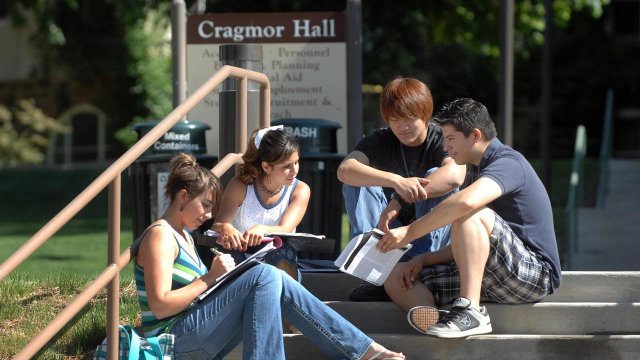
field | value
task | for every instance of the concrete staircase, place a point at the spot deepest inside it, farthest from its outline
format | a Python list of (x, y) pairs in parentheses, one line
[(609, 237), (594, 315)]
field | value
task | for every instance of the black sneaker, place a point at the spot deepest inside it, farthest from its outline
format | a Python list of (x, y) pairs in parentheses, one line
[(368, 292), (463, 320)]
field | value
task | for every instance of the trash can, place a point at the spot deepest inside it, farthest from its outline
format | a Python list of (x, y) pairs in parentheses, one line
[(319, 163), (150, 172)]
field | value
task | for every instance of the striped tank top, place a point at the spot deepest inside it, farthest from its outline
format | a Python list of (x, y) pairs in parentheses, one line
[(186, 269)]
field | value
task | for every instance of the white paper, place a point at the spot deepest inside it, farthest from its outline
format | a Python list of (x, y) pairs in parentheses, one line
[(362, 259), (249, 262), (297, 235)]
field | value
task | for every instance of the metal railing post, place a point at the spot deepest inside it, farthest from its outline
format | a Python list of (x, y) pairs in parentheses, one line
[(265, 105), (242, 114), (113, 289), (573, 199), (606, 147)]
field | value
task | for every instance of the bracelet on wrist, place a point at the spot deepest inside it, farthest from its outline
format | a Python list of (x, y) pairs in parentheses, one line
[(399, 199)]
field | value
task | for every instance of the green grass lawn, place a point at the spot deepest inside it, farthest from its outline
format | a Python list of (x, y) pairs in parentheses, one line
[(44, 284), (32, 197)]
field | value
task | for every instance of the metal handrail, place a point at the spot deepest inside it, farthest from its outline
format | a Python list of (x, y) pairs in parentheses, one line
[(606, 150), (111, 177), (575, 194)]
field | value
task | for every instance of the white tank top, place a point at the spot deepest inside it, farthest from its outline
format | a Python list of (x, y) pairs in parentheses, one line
[(253, 211)]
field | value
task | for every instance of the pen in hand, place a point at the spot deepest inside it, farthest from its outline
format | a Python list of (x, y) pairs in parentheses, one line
[(217, 252)]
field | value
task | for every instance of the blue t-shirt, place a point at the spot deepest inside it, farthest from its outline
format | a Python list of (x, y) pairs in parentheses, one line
[(524, 203)]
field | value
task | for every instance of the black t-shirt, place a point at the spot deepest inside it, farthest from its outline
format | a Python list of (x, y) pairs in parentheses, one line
[(385, 152)]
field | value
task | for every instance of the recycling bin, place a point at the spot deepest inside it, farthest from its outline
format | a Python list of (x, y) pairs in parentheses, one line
[(150, 172)]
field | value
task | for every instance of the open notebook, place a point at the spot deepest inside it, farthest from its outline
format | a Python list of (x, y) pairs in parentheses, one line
[(240, 268), (362, 259)]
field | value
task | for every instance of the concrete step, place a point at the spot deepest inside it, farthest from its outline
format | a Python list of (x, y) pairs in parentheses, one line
[(577, 286), (482, 347), (535, 319)]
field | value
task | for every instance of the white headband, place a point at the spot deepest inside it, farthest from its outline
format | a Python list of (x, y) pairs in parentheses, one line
[(262, 132)]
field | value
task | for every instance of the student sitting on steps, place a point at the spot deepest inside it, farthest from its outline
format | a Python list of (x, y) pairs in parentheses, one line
[(399, 173)]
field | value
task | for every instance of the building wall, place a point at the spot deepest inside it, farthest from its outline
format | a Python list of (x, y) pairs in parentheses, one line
[(18, 59)]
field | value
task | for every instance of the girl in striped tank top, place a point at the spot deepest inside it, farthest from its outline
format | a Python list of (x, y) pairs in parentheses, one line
[(170, 275)]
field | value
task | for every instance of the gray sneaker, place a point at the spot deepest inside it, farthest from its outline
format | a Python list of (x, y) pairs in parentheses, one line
[(463, 320), (423, 317)]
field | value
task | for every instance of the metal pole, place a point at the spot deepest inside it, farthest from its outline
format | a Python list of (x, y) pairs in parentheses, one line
[(547, 64), (113, 289), (354, 72), (236, 117), (242, 106), (505, 119), (179, 51)]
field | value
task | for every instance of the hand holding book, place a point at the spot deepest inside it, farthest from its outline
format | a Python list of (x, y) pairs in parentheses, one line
[(362, 259), (240, 268)]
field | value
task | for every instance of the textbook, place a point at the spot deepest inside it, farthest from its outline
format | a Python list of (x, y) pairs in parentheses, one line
[(362, 259), (303, 236), (210, 236), (307, 242), (249, 262), (300, 241)]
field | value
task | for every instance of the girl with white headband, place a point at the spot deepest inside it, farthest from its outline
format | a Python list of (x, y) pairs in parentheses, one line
[(264, 198)]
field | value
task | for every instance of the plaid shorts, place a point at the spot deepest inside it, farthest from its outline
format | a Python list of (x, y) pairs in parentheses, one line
[(513, 273)]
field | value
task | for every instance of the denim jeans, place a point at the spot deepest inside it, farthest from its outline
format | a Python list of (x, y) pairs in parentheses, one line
[(365, 204), (250, 310), (285, 253)]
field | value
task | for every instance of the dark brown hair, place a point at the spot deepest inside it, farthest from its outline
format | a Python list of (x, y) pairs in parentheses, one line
[(187, 174), (466, 114), (275, 146)]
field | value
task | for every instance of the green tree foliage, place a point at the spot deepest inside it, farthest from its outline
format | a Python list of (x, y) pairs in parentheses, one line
[(107, 42), (400, 36), (453, 45), (25, 132), (148, 41)]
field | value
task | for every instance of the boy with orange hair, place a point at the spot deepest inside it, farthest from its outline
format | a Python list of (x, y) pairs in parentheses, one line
[(397, 174)]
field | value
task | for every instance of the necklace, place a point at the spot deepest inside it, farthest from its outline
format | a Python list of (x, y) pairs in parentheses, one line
[(404, 161), (264, 188)]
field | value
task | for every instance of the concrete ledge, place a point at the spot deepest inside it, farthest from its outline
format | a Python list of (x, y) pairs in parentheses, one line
[(541, 318), (482, 347), (577, 286)]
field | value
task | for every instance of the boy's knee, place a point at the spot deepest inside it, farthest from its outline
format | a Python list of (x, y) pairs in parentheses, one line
[(392, 285), (430, 171)]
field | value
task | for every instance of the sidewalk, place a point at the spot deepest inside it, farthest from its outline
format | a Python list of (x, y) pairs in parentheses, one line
[(609, 238)]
